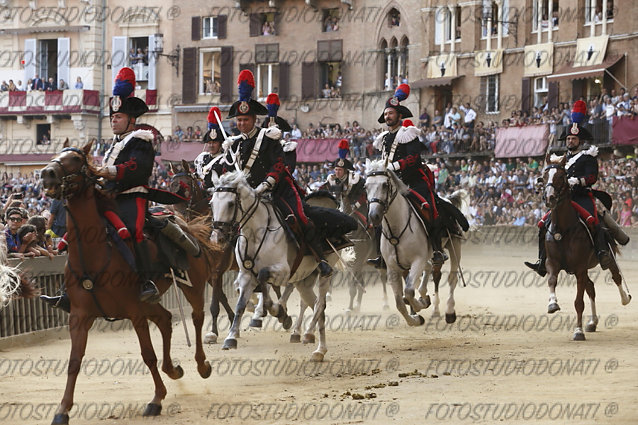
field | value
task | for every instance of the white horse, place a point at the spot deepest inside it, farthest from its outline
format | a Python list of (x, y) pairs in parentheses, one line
[(265, 255), (404, 245), (12, 284), (452, 243)]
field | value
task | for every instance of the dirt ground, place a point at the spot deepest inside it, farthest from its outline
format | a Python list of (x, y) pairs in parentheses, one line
[(503, 361)]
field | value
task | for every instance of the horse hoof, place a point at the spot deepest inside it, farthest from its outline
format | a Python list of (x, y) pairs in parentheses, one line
[(308, 339), (152, 409), (553, 308), (420, 319), (450, 318), (230, 343), (626, 300), (287, 323), (179, 373), (316, 357), (208, 369), (210, 338), (579, 336), (591, 327), (295, 338), (255, 323), (60, 419)]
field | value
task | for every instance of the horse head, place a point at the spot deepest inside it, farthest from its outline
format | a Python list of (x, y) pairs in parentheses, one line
[(555, 183), (68, 173), (380, 189), (229, 205)]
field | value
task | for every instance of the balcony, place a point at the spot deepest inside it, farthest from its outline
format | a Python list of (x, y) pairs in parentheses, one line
[(61, 102)]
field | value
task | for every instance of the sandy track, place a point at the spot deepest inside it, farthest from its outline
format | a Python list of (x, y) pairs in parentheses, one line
[(503, 361)]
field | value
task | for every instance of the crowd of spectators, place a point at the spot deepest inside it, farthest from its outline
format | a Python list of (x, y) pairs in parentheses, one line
[(38, 84)]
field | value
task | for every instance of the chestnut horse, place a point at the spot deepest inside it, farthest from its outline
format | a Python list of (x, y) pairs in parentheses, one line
[(100, 282), (569, 247), (189, 186)]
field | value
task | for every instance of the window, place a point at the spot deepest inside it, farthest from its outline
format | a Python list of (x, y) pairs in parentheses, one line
[(491, 95), (394, 18), (209, 71), (447, 25), (395, 63), (331, 79), (267, 79), (138, 57), (490, 15), (330, 21), (209, 27), (544, 15), (43, 134), (540, 91), (597, 6)]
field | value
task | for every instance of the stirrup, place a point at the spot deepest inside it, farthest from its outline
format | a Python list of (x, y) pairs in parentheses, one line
[(150, 293), (378, 262), (61, 301), (324, 269), (439, 257)]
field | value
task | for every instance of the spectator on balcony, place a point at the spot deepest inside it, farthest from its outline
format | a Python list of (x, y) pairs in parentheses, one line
[(140, 57), (295, 133), (50, 85), (197, 134), (12, 86), (179, 133), (37, 83), (470, 115), (29, 85), (132, 57), (189, 133), (63, 85), (4, 86), (326, 92), (79, 84), (268, 28), (20, 86)]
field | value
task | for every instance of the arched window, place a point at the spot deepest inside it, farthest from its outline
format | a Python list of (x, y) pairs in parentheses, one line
[(395, 69), (394, 18)]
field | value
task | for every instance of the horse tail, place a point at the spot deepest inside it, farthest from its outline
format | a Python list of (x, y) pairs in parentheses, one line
[(15, 283)]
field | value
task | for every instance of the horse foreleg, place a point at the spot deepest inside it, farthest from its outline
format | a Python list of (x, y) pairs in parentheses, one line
[(78, 328), (295, 336), (256, 320), (246, 285), (195, 297), (453, 277), (383, 275), (415, 274), (162, 318), (320, 313), (552, 270), (154, 408), (579, 304), (591, 292), (395, 279)]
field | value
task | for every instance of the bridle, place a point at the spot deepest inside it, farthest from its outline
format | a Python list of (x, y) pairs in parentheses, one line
[(68, 180), (390, 194), (561, 193), (193, 188)]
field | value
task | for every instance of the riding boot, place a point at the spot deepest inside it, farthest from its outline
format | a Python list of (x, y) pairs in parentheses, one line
[(313, 240), (438, 256), (176, 234), (378, 262), (602, 247), (614, 229), (60, 301), (149, 292), (539, 266)]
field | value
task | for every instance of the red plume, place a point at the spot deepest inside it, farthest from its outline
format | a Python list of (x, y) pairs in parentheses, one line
[(408, 123), (272, 99), (211, 115), (247, 76), (343, 144)]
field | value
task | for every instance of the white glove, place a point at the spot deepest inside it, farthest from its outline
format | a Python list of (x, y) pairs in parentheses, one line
[(264, 186), (394, 166), (573, 181)]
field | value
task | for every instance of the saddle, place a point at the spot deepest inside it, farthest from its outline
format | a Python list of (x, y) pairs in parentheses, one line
[(171, 254)]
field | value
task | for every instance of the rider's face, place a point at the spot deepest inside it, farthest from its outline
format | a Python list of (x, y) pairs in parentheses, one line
[(245, 123), (120, 123), (391, 117), (214, 147), (340, 172), (572, 142)]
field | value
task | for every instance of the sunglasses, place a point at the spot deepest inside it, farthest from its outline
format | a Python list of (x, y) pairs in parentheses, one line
[(15, 218)]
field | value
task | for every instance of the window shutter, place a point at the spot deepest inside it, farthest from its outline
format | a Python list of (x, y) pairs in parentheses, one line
[(196, 29), (323, 51), (308, 80), (189, 76), (439, 22), (63, 60), (255, 24), (552, 95), (525, 94), (29, 59), (336, 50), (483, 95), (119, 58), (226, 95), (222, 21), (152, 81), (278, 22), (284, 80)]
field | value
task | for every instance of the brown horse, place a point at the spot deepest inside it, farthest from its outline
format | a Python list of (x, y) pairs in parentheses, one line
[(100, 282), (569, 247), (189, 185)]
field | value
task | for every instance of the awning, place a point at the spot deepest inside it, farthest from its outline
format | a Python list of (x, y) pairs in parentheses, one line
[(434, 82), (570, 72)]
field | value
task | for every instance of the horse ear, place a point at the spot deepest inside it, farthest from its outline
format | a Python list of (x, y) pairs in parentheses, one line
[(185, 165), (86, 148)]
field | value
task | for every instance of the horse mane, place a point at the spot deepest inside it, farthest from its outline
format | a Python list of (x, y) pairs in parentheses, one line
[(233, 178), (379, 166), (375, 166), (199, 228)]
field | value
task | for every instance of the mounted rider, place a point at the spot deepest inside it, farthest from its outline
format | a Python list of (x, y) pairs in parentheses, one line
[(401, 149), (258, 152), (209, 163), (582, 173)]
